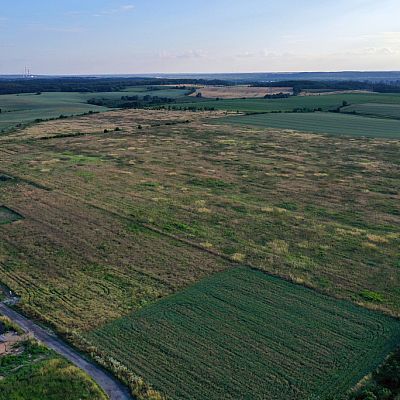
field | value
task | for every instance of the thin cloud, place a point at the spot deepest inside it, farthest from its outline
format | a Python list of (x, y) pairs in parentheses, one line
[(58, 29), (127, 7), (120, 10), (189, 54)]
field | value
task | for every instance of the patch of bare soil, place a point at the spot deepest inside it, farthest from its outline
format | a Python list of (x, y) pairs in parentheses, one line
[(237, 92)]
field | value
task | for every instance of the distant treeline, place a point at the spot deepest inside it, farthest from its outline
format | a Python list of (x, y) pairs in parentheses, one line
[(88, 85), (298, 86), (131, 101)]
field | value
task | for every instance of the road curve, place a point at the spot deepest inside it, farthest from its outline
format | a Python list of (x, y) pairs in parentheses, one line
[(113, 388)]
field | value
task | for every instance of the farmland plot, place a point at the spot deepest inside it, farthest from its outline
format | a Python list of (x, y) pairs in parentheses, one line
[(235, 92), (318, 122), (243, 334), (325, 102), (374, 109)]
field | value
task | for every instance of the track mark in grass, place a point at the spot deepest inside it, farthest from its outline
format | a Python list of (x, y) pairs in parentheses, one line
[(8, 216), (372, 296), (5, 178), (211, 183)]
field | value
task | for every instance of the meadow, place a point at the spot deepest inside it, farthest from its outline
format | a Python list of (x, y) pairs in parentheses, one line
[(244, 334), (322, 122)]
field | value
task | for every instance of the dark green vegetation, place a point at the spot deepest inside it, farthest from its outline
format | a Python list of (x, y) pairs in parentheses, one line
[(140, 99), (91, 85), (334, 85), (242, 333), (319, 122), (372, 81), (37, 374), (384, 384)]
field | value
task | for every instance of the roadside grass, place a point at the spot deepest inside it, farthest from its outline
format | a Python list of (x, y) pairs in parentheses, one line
[(242, 333), (319, 122), (37, 373)]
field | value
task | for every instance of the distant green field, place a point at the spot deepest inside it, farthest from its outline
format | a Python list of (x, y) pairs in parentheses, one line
[(25, 108), (322, 122), (326, 102), (375, 109), (244, 334)]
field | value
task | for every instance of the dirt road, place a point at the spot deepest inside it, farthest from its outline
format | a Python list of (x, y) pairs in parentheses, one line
[(113, 388)]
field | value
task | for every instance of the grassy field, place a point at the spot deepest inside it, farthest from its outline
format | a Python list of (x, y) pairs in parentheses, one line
[(242, 334), (375, 110), (38, 373), (316, 209), (115, 220), (325, 102), (330, 123)]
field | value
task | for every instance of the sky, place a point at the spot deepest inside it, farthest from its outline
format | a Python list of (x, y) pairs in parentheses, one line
[(181, 36)]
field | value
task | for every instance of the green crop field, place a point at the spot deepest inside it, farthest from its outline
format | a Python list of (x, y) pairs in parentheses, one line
[(320, 122), (244, 334), (325, 102), (374, 109)]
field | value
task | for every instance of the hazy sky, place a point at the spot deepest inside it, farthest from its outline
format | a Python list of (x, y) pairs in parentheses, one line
[(138, 36)]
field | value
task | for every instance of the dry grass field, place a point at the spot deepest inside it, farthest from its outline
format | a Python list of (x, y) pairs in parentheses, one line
[(237, 92), (315, 209)]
